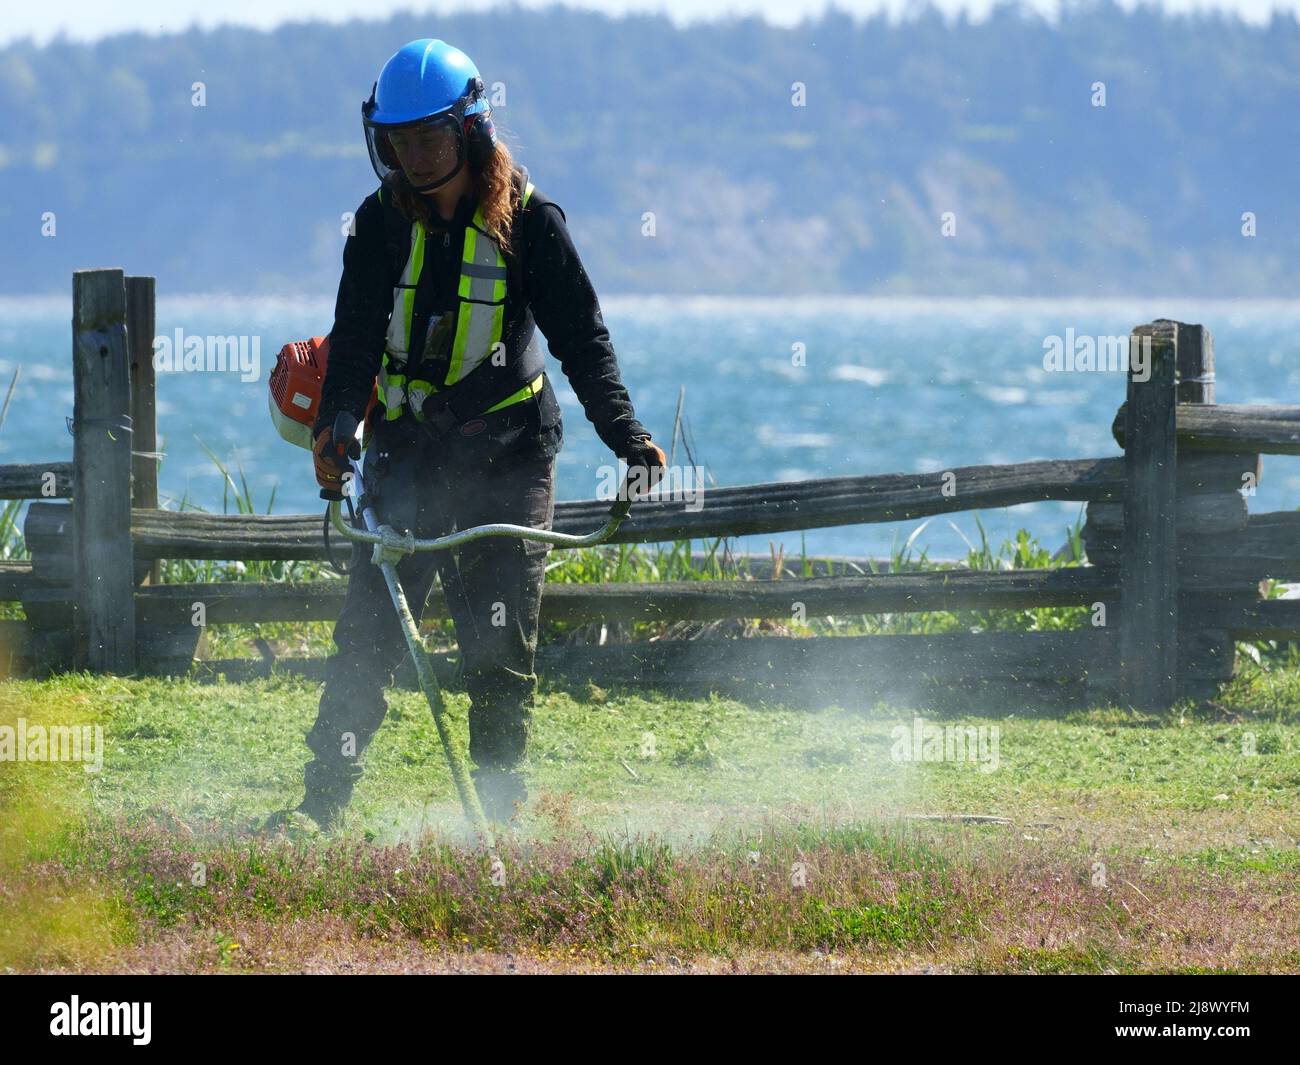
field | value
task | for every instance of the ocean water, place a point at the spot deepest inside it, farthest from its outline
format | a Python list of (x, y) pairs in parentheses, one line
[(773, 391)]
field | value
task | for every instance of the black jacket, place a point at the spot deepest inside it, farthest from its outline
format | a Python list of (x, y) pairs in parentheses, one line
[(547, 287)]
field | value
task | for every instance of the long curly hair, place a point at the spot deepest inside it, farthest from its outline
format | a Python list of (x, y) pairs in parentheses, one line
[(494, 184)]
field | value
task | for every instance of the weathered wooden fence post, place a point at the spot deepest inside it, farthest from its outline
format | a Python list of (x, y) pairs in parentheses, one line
[(140, 332), (1148, 638), (103, 573), (1206, 649), (1195, 363)]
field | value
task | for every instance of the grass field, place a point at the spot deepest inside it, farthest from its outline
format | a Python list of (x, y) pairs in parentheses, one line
[(662, 835)]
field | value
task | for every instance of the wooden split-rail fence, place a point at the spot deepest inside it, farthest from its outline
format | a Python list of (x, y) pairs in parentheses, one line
[(1176, 562)]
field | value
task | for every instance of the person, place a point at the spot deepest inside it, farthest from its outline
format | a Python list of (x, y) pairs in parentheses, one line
[(454, 264)]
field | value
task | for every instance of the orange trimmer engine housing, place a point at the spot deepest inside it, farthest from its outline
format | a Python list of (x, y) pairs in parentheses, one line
[(295, 389)]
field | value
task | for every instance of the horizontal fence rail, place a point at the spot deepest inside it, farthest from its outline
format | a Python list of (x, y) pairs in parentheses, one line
[(1266, 430), (33, 480), (676, 600), (726, 512)]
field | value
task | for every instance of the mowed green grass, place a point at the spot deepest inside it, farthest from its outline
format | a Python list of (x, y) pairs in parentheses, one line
[(226, 753), (662, 831)]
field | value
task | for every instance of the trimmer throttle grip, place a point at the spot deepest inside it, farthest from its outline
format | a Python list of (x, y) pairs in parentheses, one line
[(624, 500), (343, 435)]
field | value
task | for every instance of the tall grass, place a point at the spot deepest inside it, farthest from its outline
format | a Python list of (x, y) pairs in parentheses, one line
[(236, 494), (279, 637), (12, 544), (875, 895)]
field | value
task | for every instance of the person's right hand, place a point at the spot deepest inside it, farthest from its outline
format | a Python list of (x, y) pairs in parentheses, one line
[(643, 451), (331, 457)]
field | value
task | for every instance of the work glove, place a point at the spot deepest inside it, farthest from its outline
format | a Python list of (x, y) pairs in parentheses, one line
[(643, 451), (333, 446)]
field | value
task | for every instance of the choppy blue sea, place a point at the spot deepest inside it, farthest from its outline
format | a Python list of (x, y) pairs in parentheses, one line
[(773, 391)]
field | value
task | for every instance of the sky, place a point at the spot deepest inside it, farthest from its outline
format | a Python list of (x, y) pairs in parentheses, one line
[(90, 19)]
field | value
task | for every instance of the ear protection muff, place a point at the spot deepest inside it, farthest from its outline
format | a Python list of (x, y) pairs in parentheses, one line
[(480, 133), (480, 139)]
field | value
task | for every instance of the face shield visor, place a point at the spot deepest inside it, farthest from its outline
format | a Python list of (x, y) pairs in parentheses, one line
[(430, 150)]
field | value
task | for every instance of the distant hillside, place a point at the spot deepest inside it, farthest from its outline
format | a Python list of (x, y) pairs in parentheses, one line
[(993, 122)]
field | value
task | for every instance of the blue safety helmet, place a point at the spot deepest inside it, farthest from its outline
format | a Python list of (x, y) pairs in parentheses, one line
[(431, 94)]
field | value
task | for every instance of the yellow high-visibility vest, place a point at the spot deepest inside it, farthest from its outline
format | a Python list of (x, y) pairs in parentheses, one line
[(480, 313)]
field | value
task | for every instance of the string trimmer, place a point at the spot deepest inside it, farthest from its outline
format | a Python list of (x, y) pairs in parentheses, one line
[(390, 547)]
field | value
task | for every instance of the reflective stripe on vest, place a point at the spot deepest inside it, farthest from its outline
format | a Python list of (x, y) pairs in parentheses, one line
[(398, 344), (480, 315)]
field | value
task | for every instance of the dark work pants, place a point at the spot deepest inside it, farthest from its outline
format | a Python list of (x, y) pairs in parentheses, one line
[(493, 589)]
